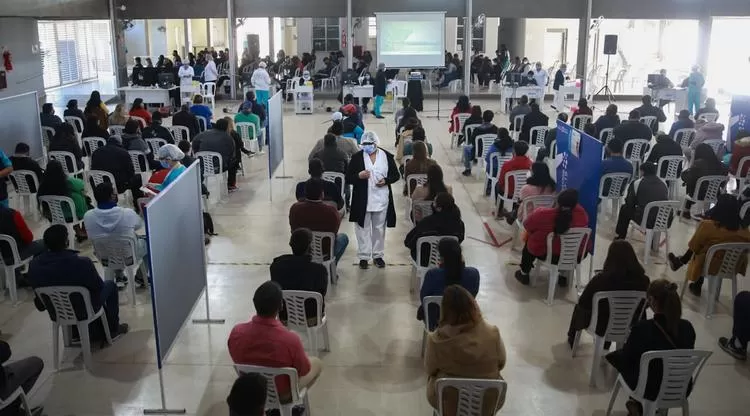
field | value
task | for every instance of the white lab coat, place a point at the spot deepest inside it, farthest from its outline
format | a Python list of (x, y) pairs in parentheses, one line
[(261, 80), (210, 73), (186, 76), (541, 77)]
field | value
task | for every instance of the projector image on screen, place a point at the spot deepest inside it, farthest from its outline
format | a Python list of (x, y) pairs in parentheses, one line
[(411, 40)]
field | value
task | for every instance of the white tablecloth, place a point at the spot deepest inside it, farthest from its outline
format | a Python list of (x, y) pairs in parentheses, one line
[(148, 94), (508, 92)]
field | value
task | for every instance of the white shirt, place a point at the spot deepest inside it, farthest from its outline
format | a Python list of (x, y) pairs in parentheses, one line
[(210, 73), (186, 75), (261, 80), (377, 196), (541, 77)]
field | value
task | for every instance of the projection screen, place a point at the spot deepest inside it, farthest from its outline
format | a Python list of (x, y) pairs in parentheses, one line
[(411, 40)]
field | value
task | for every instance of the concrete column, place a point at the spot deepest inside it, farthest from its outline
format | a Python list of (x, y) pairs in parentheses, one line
[(232, 45), (186, 27), (209, 41), (270, 38), (584, 31), (704, 42), (118, 51), (512, 33), (467, 48), (350, 36)]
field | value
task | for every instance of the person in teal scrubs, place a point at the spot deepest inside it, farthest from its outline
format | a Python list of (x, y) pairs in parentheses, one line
[(170, 156), (695, 84)]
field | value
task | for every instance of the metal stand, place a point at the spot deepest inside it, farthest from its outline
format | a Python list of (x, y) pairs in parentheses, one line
[(605, 88), (438, 109), (163, 410)]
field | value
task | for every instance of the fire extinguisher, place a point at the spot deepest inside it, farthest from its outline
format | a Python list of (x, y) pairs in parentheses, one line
[(7, 60)]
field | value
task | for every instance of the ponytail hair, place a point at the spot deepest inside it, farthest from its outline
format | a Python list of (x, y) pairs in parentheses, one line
[(664, 298), (566, 201)]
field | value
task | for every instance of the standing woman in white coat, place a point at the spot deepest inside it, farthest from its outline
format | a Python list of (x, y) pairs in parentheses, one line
[(371, 171), (262, 83)]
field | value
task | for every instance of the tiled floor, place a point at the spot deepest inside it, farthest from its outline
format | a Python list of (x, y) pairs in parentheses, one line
[(374, 367)]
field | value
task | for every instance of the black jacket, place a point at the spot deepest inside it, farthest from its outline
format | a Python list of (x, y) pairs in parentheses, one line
[(644, 337), (643, 191), (5, 354), (380, 84), (360, 188), (215, 140), (114, 159), (482, 129), (664, 147), (27, 163), (50, 120), (439, 223), (186, 119), (334, 159), (97, 131), (699, 169), (632, 129), (159, 131), (559, 80), (606, 122), (652, 110), (300, 273), (533, 119), (65, 145), (74, 113)]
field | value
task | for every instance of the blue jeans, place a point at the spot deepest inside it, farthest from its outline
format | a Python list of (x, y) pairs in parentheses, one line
[(339, 246), (467, 156), (378, 103), (111, 304)]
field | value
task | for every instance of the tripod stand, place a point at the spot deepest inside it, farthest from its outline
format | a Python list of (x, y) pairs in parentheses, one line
[(605, 88)]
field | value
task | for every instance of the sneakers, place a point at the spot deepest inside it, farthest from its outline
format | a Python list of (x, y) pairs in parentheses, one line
[(379, 263), (363, 264), (695, 288), (523, 278), (466, 172), (729, 345), (674, 262), (233, 188), (379, 117)]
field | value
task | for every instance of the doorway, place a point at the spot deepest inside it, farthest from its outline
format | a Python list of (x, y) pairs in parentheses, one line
[(555, 47)]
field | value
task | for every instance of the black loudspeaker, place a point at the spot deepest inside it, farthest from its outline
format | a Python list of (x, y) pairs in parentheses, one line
[(610, 44), (253, 45)]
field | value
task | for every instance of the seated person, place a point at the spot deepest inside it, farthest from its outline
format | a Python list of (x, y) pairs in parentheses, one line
[(48, 117), (503, 144), (707, 131), (297, 271), (519, 161), (648, 188), (347, 145), (246, 115), (452, 271), (740, 149), (474, 119), (665, 146), (444, 221), (665, 331), (434, 185), (535, 118), (21, 373), (648, 109), (708, 108), (60, 266), (313, 214), (72, 110), (256, 108), (13, 225), (185, 118), (169, 157), (248, 395), (157, 130), (621, 271), (113, 158), (331, 192), (609, 120), (266, 342), (22, 161), (615, 162), (409, 120), (521, 109), (56, 183), (220, 141), (632, 128), (549, 138), (139, 110), (705, 163), (352, 129), (333, 158), (201, 110), (721, 225), (683, 122), (582, 109), (566, 214), (132, 139), (91, 128), (418, 135), (736, 345), (463, 345), (118, 117), (463, 106), (66, 140), (471, 150), (540, 182), (406, 133), (109, 220), (419, 164)]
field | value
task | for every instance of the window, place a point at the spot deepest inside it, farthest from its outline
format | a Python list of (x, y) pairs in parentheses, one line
[(477, 36), (372, 27), (326, 34)]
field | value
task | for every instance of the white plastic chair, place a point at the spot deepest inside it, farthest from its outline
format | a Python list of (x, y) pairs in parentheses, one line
[(455, 86), (668, 169), (458, 123), (96, 177), (519, 180), (581, 120), (60, 300), (469, 129), (140, 163), (734, 253), (716, 144), (635, 150), (9, 269), (202, 124), (483, 143), (67, 160), (91, 144), (743, 209), (208, 92), (399, 92), (294, 301), (742, 181), (120, 253), (54, 206), (16, 395), (680, 367), (665, 209), (420, 210), (77, 124), (299, 396), (570, 246), (337, 178), (249, 135), (709, 117), (536, 138), (213, 169), (140, 120), (155, 143), (116, 130), (495, 160), (650, 121), (329, 82), (623, 307), (319, 241), (431, 262), (713, 184), (471, 393), (412, 181), (47, 134), (23, 182), (527, 206), (618, 186), (426, 302), (606, 135), (517, 126), (179, 133), (684, 137)]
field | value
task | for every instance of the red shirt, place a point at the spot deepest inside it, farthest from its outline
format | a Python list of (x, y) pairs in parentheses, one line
[(455, 111), (142, 113), (266, 342), (515, 163), (541, 222), (315, 215), (23, 230)]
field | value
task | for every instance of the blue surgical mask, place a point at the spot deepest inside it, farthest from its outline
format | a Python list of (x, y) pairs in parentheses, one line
[(164, 164), (369, 148)]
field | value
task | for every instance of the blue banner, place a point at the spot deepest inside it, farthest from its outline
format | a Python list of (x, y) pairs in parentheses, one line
[(579, 166), (739, 115)]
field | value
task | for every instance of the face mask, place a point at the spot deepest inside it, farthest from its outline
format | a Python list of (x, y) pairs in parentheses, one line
[(164, 164), (368, 148)]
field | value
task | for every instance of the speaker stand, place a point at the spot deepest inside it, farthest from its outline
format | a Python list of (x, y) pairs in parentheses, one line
[(605, 89)]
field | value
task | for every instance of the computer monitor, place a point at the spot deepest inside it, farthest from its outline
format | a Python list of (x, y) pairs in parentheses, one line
[(149, 77), (166, 80), (653, 79)]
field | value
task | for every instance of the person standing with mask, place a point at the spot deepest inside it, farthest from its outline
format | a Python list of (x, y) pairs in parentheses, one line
[(262, 83), (371, 171), (695, 84), (379, 90)]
